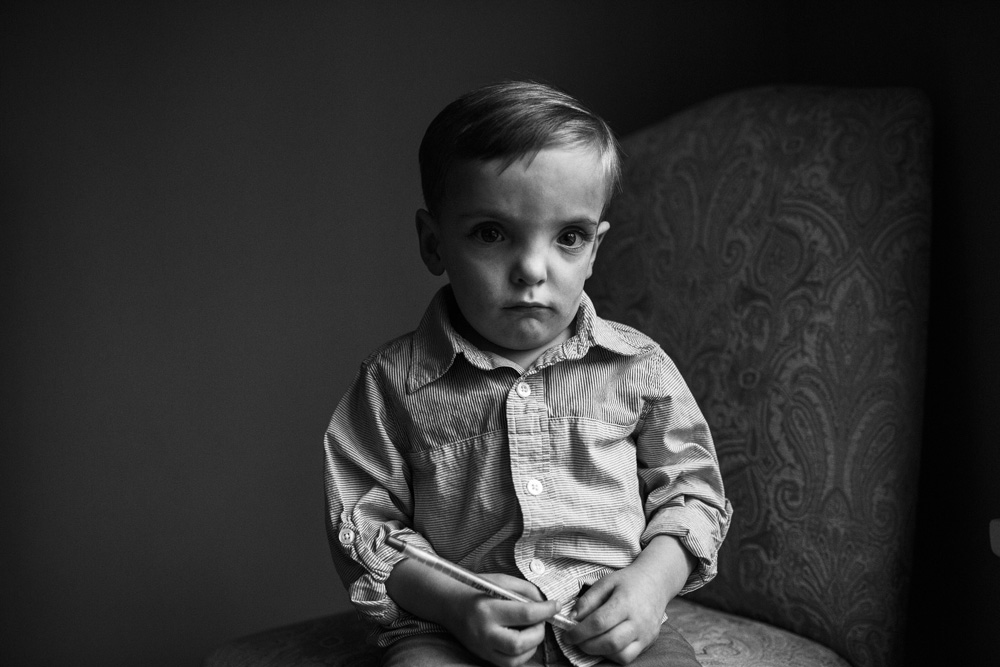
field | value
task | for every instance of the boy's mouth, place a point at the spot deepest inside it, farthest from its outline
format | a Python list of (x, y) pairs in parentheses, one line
[(527, 305)]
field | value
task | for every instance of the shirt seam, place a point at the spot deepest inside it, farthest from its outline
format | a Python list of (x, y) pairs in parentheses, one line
[(399, 432)]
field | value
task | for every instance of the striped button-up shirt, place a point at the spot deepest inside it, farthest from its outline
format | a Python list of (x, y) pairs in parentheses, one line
[(558, 474)]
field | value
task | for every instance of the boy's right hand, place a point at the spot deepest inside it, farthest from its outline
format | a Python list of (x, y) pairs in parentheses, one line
[(504, 632)]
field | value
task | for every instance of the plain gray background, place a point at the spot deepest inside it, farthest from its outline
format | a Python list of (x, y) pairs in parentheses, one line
[(207, 222)]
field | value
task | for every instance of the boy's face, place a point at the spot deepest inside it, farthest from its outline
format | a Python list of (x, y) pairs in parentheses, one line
[(518, 244)]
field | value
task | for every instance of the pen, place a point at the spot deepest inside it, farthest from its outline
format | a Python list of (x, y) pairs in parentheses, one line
[(469, 578)]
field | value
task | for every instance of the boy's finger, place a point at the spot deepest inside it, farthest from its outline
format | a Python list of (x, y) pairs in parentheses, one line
[(525, 588), (595, 596), (520, 614), (519, 642), (613, 643)]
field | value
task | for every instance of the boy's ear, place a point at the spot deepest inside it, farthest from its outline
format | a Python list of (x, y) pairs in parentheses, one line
[(430, 242), (602, 229)]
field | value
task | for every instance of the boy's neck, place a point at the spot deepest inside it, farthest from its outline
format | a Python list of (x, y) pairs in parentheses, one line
[(522, 358)]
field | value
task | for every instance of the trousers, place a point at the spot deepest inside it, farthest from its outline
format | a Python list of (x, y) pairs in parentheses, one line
[(442, 650)]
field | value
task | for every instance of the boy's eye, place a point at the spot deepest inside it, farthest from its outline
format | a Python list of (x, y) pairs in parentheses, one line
[(573, 238), (488, 234)]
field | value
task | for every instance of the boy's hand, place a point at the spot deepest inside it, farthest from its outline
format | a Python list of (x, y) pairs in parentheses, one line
[(503, 632), (619, 616)]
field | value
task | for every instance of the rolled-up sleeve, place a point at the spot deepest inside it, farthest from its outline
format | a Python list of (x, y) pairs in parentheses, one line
[(368, 498), (679, 469)]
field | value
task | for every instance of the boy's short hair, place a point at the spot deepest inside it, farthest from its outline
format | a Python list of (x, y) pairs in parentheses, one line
[(510, 120)]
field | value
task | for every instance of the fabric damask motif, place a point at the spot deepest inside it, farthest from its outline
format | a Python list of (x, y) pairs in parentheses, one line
[(725, 640), (775, 242)]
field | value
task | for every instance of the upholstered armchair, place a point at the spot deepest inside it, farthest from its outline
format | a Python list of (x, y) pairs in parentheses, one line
[(775, 242)]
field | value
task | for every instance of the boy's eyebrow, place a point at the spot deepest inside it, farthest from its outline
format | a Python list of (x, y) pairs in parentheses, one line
[(501, 217)]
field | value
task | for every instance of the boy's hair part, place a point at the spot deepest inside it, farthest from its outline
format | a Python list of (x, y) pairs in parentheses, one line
[(507, 121)]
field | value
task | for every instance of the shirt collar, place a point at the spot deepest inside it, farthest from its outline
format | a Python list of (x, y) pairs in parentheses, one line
[(436, 343)]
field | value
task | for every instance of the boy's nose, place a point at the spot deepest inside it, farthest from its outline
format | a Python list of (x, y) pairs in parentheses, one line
[(529, 268)]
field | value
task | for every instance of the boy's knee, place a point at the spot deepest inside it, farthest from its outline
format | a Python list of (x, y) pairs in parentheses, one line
[(429, 650)]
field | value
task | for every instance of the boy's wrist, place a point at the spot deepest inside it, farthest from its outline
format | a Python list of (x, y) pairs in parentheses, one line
[(667, 560), (425, 593)]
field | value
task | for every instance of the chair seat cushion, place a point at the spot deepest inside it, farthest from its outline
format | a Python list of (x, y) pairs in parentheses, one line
[(725, 640), (719, 640), (337, 640)]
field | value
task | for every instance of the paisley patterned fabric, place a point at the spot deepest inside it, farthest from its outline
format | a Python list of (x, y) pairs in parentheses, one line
[(724, 640), (775, 242)]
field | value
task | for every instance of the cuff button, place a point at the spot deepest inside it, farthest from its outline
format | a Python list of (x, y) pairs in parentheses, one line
[(346, 536)]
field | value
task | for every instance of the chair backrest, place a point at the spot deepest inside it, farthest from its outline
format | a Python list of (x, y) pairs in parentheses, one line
[(775, 242)]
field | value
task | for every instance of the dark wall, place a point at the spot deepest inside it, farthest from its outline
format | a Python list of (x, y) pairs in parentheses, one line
[(207, 222)]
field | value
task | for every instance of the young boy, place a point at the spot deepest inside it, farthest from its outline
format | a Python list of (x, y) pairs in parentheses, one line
[(515, 432)]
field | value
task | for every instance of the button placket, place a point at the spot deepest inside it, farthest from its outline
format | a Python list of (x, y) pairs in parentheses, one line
[(529, 451), (527, 430)]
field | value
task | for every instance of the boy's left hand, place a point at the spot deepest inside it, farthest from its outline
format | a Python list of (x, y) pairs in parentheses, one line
[(620, 615)]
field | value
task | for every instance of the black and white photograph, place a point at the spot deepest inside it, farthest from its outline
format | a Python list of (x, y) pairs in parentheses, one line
[(552, 333)]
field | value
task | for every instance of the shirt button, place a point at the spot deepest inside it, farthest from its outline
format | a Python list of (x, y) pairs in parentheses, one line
[(523, 390), (346, 536), (534, 487), (536, 566)]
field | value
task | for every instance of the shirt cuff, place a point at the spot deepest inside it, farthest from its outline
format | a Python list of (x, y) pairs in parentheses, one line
[(365, 543), (700, 527)]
